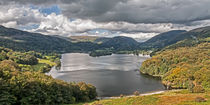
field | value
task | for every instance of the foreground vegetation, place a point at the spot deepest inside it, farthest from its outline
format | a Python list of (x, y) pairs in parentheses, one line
[(183, 97), (23, 82)]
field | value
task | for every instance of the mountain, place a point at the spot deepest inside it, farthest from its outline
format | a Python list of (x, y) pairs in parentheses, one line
[(198, 33), (168, 38), (191, 38), (185, 63), (162, 40), (26, 41), (121, 43), (117, 43)]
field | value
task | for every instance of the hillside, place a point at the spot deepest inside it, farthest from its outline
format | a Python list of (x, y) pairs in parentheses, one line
[(197, 36), (83, 38), (118, 43), (161, 40), (182, 97), (101, 40), (121, 43), (180, 66), (22, 81), (172, 37), (26, 41), (184, 63)]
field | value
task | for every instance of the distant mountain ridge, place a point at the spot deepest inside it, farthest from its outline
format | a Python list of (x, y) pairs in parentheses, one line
[(172, 37), (162, 40), (22, 40), (26, 41), (121, 43)]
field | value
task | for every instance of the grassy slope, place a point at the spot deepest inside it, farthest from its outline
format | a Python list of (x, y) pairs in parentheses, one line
[(83, 38), (182, 97), (46, 61), (42, 63)]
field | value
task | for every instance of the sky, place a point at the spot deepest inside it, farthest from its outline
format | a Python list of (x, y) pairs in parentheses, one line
[(140, 19)]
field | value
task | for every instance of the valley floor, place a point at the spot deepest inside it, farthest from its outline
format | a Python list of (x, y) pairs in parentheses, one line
[(182, 97)]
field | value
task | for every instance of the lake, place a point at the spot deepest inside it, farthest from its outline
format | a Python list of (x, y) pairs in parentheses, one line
[(112, 75)]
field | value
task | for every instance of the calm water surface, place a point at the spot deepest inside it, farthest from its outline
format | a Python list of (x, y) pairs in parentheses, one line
[(112, 75)]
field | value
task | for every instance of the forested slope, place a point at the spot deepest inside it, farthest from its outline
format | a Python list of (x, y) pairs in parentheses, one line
[(181, 65), (23, 82), (162, 40)]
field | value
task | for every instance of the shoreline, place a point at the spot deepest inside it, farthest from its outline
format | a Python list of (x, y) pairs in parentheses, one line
[(142, 55), (144, 94)]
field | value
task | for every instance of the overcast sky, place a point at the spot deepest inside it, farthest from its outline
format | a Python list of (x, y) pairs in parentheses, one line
[(135, 18)]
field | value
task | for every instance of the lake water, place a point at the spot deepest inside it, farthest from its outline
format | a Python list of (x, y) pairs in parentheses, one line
[(112, 75)]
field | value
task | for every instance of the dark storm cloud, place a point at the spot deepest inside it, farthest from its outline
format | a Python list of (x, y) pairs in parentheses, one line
[(36, 2), (133, 11), (135, 18)]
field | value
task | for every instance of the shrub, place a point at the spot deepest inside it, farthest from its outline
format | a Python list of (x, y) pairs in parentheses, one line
[(190, 86), (198, 89), (200, 99), (121, 95), (136, 93)]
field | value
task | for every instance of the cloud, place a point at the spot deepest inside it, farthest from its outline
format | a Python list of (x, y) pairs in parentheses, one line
[(139, 11), (19, 15), (11, 24), (139, 35), (134, 18), (132, 11)]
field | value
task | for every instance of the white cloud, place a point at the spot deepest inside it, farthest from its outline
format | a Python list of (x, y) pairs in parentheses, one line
[(132, 11), (20, 15), (138, 11), (11, 24), (141, 35), (16, 16)]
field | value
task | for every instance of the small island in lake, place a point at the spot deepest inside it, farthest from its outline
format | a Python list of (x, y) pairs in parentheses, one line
[(98, 53)]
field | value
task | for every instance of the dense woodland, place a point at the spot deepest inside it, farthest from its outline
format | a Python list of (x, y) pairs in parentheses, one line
[(23, 82), (181, 65)]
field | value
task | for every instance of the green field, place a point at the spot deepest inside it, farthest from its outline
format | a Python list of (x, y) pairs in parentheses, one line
[(45, 61)]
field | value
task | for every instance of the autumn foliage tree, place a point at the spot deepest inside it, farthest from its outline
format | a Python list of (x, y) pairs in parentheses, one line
[(34, 88), (181, 65)]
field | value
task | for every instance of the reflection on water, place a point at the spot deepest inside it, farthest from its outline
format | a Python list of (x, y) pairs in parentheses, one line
[(112, 75)]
